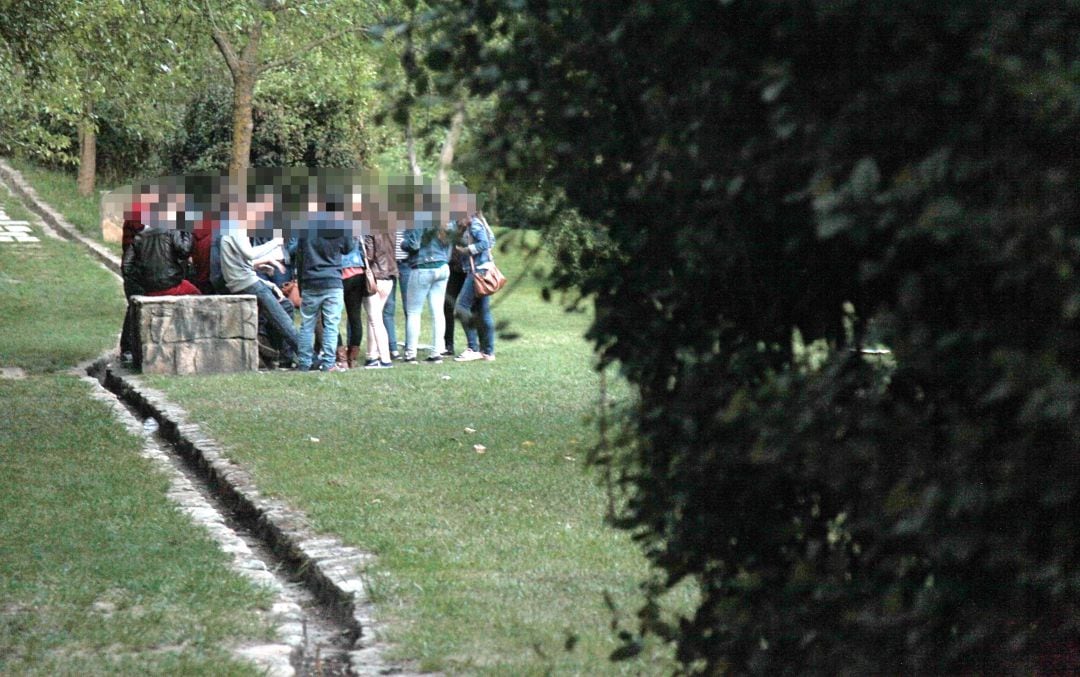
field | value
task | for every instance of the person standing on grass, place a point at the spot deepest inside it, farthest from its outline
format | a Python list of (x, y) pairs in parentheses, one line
[(238, 258), (379, 248), (326, 239), (404, 262), (475, 311), (354, 293), (427, 282), (459, 208)]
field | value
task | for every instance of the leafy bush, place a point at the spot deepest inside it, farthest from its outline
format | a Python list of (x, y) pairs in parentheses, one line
[(288, 131), (761, 166)]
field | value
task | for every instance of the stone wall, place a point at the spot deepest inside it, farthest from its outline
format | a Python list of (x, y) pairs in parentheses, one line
[(196, 334)]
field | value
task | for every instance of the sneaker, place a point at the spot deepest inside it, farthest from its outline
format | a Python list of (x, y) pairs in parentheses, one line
[(433, 359), (488, 358), (370, 362), (468, 356), (126, 358), (449, 352), (380, 365), (395, 355), (334, 368), (411, 360)]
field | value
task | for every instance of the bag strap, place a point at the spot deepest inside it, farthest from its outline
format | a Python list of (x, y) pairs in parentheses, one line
[(472, 264), (363, 250), (491, 239)]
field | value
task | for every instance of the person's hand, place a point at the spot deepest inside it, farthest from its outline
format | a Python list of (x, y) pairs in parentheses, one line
[(461, 250)]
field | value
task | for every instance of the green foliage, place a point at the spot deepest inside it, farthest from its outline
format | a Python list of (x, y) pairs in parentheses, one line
[(759, 165), (289, 131)]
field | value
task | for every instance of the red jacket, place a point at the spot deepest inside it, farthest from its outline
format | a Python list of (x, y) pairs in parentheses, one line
[(203, 236)]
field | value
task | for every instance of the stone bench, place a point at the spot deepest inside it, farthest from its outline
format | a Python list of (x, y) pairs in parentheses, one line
[(196, 334)]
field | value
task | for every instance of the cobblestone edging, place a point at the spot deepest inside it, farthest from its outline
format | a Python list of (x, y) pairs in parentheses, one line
[(15, 181), (328, 566)]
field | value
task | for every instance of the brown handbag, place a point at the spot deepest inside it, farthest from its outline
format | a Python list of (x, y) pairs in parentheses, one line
[(369, 275)]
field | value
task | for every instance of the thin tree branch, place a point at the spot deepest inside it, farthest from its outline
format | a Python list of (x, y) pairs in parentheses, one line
[(314, 44), (222, 41), (446, 157)]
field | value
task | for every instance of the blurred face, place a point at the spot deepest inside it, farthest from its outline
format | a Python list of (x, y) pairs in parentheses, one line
[(356, 205), (260, 207)]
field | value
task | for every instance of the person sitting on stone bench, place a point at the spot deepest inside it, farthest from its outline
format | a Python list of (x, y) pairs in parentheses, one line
[(156, 262), (239, 258)]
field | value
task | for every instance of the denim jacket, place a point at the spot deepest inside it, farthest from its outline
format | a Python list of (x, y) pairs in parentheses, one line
[(355, 258), (481, 241), (425, 242)]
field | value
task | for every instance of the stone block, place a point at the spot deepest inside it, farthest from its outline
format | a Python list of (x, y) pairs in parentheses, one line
[(112, 215), (196, 334)]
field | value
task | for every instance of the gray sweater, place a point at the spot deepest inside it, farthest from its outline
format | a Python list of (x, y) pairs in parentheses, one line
[(236, 257)]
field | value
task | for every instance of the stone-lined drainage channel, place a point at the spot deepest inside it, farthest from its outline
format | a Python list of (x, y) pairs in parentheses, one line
[(323, 617)]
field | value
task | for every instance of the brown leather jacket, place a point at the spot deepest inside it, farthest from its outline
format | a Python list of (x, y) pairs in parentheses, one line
[(380, 255)]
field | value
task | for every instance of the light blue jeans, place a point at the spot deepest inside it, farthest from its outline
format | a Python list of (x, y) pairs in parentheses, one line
[(315, 302), (426, 285), (475, 313), (401, 285)]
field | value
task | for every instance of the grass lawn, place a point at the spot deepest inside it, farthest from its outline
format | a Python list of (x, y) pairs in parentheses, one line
[(488, 563), (60, 191), (59, 307), (99, 574)]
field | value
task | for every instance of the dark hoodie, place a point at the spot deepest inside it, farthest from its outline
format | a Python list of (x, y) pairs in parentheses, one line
[(320, 250)]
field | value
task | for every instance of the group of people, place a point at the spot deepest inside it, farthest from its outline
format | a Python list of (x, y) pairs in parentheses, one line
[(327, 247)]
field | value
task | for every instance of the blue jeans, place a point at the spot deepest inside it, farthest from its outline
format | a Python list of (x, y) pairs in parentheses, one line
[(475, 311), (426, 285), (328, 303), (390, 308), (279, 322)]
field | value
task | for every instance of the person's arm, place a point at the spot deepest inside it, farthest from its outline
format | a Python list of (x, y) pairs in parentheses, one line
[(183, 242), (129, 267), (243, 246), (479, 238)]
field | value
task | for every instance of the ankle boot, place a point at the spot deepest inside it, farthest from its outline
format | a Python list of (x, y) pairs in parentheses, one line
[(352, 355), (342, 357)]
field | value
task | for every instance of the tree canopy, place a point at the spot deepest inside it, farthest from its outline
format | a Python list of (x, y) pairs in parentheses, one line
[(770, 174)]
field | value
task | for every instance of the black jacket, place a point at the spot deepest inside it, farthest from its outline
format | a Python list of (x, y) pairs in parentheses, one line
[(156, 260)]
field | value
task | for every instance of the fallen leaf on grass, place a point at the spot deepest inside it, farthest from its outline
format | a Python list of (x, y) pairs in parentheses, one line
[(479, 448), (569, 458), (446, 377), (528, 443), (313, 439), (470, 430)]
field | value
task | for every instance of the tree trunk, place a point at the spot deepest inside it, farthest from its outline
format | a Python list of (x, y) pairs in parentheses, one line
[(410, 148), (87, 152), (243, 96), (446, 158)]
